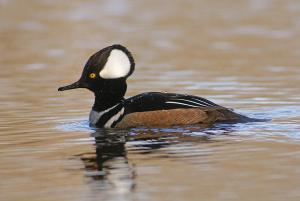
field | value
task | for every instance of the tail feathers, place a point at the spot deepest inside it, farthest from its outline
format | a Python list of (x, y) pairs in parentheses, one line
[(225, 115)]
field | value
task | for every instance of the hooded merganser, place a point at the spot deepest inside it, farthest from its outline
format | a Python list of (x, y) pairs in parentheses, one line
[(105, 74)]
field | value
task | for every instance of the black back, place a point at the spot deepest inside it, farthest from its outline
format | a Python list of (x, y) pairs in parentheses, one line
[(153, 101)]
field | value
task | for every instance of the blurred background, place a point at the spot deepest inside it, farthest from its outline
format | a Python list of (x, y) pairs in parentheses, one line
[(240, 54)]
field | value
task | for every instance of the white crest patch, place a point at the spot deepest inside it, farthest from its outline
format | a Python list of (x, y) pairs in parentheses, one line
[(117, 65)]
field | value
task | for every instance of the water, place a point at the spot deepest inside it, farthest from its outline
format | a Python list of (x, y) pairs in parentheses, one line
[(240, 54)]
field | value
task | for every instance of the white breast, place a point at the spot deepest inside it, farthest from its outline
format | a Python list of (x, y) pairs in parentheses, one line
[(95, 116)]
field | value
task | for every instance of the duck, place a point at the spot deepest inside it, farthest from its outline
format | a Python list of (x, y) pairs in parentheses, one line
[(105, 74)]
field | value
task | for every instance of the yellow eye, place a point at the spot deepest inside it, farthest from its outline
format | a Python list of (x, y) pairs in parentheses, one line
[(92, 75)]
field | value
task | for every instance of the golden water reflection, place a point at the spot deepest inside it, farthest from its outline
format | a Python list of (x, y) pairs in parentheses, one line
[(240, 54)]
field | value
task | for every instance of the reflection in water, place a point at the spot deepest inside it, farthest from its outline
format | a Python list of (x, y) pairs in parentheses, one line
[(109, 164), (226, 51)]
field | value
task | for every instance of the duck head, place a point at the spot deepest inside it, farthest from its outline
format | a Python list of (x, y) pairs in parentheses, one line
[(106, 72)]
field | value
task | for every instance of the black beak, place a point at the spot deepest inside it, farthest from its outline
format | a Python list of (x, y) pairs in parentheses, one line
[(75, 85)]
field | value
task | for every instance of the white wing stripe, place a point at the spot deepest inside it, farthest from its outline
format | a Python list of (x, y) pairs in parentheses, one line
[(178, 103), (205, 102), (196, 103)]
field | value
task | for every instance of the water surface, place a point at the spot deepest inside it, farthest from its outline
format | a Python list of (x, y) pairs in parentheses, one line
[(240, 54)]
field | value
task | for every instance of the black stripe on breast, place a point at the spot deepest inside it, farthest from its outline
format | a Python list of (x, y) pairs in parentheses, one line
[(106, 116)]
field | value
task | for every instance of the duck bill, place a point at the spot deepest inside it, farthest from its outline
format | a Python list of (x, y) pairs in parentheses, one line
[(75, 85)]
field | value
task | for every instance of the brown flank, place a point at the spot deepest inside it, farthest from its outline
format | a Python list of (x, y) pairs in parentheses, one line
[(164, 118)]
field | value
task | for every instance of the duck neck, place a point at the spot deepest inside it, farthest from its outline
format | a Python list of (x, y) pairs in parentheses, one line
[(109, 95)]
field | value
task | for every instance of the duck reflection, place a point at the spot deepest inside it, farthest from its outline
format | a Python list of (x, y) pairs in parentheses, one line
[(109, 164), (111, 168)]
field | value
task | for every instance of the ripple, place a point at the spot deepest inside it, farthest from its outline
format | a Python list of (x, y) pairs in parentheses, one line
[(257, 30), (82, 125)]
